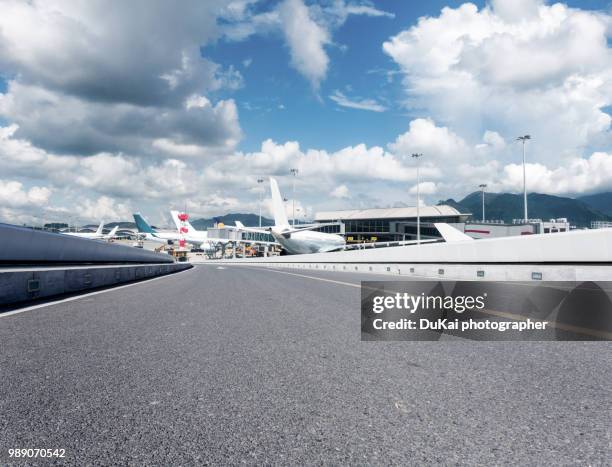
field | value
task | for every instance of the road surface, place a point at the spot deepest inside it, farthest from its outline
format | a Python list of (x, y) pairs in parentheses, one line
[(238, 365)]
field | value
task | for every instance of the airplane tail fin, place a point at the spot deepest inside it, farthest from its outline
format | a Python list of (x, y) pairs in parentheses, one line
[(112, 233), (280, 216), (142, 225), (177, 222), (100, 227), (239, 224), (176, 219), (451, 234)]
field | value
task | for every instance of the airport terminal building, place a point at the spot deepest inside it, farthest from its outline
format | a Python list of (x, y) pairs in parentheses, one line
[(388, 224)]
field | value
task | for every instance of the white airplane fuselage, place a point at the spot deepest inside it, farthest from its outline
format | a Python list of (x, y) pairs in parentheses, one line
[(90, 235), (308, 241), (199, 241)]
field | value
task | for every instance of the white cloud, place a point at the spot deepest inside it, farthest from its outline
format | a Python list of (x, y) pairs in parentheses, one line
[(306, 40), (362, 104), (513, 68), (368, 10), (13, 194), (71, 125), (425, 188), (103, 208), (340, 192), (85, 78), (593, 174), (436, 143)]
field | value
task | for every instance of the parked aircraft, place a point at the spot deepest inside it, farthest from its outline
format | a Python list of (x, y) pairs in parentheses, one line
[(93, 235), (193, 236), (298, 240), (152, 234)]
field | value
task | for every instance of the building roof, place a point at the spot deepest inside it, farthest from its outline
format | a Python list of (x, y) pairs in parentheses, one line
[(389, 213)]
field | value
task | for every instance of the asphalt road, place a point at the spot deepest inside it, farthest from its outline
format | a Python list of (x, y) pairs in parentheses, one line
[(236, 365)]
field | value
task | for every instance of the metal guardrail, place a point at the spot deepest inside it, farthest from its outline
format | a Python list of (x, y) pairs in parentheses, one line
[(20, 245)]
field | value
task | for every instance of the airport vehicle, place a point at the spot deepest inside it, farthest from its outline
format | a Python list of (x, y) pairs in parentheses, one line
[(97, 235), (300, 240)]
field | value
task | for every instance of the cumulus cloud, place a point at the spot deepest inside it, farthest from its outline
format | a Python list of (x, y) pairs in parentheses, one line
[(122, 84), (122, 54), (438, 143), (514, 68), (358, 103), (341, 192), (70, 125), (316, 167), (13, 194), (425, 188), (306, 40), (307, 29), (579, 175)]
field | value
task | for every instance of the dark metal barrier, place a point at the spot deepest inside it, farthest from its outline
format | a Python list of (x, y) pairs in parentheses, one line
[(20, 245)]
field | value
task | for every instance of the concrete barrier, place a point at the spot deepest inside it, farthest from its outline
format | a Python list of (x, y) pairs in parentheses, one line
[(464, 272), (25, 284)]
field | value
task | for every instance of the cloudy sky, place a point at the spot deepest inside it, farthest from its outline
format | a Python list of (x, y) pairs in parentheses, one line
[(110, 108)]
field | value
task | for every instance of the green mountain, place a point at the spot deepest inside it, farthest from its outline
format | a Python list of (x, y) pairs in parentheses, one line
[(507, 206), (250, 220), (600, 201)]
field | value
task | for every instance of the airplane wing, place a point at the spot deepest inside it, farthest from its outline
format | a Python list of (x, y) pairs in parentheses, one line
[(240, 226), (451, 234)]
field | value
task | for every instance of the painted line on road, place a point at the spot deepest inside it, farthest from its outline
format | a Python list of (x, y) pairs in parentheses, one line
[(499, 314), (90, 294), (350, 284)]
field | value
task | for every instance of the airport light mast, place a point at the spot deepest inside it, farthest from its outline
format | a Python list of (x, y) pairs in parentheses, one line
[(260, 180), (294, 172), (523, 139), (417, 156), (482, 187)]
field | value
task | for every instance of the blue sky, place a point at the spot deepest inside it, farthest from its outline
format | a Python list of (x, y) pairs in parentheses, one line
[(311, 117), (158, 106)]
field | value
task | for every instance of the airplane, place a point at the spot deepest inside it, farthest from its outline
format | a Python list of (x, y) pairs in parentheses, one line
[(195, 237), (300, 240), (91, 235), (151, 234), (199, 240)]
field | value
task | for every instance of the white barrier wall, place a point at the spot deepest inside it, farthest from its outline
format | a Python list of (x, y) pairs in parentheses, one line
[(487, 272), (579, 255)]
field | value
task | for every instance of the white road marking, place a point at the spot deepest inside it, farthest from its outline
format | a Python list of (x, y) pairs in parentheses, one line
[(90, 294), (350, 284)]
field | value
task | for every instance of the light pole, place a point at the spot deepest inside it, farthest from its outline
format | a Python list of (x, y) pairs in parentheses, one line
[(259, 182), (417, 156), (523, 139), (294, 172), (482, 188)]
